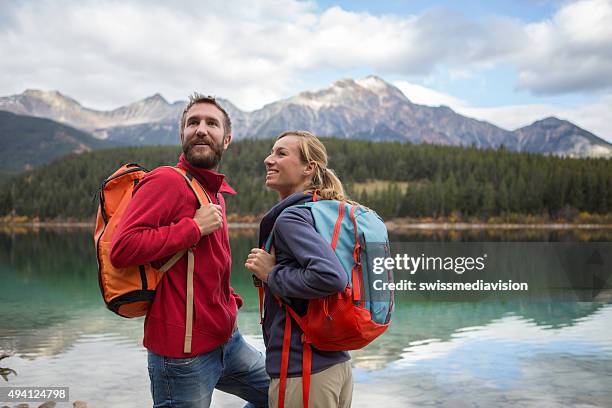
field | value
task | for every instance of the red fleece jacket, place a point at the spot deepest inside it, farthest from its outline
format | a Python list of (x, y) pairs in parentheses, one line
[(157, 224)]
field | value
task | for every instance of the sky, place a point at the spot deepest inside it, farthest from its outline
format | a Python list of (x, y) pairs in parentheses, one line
[(507, 62)]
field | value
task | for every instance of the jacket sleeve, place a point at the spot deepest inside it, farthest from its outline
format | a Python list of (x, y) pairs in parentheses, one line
[(319, 273), (148, 230)]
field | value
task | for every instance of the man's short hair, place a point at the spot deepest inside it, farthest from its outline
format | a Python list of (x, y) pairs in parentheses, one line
[(200, 98)]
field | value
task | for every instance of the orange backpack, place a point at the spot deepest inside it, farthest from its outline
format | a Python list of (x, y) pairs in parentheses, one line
[(129, 291)]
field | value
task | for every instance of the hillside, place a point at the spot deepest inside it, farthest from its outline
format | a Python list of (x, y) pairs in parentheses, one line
[(29, 142), (396, 179), (560, 136)]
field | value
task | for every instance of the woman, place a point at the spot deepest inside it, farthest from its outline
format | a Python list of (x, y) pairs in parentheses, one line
[(301, 266)]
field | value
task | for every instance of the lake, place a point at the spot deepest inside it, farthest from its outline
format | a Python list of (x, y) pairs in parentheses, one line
[(545, 348)]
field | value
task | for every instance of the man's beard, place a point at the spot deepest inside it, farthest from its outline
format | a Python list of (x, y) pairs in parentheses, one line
[(207, 160)]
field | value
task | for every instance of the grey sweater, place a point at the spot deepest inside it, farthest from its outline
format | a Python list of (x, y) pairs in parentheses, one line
[(306, 268)]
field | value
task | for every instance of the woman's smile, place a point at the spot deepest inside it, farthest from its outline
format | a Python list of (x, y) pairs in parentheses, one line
[(270, 173)]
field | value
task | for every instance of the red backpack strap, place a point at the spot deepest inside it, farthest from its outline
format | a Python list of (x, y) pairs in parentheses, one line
[(260, 290), (282, 386), (307, 350), (338, 225), (306, 366), (357, 271), (306, 362), (306, 356), (258, 283)]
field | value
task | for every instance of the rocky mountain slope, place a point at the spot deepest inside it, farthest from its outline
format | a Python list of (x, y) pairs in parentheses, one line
[(368, 108)]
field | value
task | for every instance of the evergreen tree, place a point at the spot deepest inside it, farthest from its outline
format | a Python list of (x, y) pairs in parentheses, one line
[(442, 180)]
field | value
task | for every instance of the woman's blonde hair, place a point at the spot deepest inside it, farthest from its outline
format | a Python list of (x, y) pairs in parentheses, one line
[(324, 181)]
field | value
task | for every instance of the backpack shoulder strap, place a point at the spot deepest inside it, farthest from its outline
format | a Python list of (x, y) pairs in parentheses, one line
[(203, 199), (196, 187)]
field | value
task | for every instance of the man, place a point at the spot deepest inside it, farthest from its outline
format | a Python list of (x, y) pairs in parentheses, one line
[(161, 220)]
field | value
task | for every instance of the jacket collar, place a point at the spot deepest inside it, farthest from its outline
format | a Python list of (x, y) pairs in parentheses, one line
[(268, 220), (213, 181)]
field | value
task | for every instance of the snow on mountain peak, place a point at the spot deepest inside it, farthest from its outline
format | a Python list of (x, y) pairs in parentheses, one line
[(156, 98), (341, 92), (53, 98), (373, 83)]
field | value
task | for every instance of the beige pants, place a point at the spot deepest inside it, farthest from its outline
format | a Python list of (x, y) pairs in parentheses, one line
[(330, 388)]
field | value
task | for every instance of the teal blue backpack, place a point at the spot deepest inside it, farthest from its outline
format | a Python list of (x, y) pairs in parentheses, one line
[(351, 319), (357, 235)]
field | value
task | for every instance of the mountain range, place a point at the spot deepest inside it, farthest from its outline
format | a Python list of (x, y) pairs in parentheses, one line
[(367, 108)]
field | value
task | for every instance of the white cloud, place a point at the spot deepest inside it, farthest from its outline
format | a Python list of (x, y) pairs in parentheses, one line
[(110, 53), (594, 117), (570, 52)]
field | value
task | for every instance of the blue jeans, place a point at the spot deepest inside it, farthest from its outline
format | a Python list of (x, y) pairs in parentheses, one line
[(236, 367)]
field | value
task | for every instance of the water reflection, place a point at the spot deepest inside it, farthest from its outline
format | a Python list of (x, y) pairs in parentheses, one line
[(419, 323), (503, 235), (485, 352), (506, 362)]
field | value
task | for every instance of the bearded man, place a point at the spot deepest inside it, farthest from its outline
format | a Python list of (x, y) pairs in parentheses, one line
[(162, 220)]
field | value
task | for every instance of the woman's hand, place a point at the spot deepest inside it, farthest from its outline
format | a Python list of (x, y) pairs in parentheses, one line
[(260, 263)]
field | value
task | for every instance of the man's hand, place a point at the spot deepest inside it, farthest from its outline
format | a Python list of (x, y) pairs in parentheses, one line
[(260, 263), (209, 218)]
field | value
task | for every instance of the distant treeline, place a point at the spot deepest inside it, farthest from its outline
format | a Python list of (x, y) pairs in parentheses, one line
[(418, 180)]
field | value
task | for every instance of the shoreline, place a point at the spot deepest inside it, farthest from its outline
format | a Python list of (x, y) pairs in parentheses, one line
[(392, 225)]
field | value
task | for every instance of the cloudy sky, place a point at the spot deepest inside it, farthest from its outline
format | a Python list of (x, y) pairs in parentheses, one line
[(508, 62)]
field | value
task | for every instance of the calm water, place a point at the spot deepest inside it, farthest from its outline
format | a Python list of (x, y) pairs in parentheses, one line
[(541, 350)]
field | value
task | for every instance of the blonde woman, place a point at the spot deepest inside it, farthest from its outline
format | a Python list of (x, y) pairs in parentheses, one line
[(300, 267)]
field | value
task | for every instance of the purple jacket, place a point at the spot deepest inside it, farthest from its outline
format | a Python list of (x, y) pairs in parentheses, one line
[(306, 268)]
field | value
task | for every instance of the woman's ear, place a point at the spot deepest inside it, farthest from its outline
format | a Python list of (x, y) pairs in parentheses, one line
[(310, 168)]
